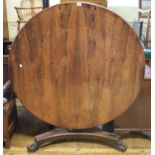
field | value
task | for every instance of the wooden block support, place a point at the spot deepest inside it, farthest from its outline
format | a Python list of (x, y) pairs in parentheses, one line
[(9, 121)]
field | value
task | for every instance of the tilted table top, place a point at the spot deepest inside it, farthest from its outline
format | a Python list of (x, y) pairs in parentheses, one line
[(76, 66)]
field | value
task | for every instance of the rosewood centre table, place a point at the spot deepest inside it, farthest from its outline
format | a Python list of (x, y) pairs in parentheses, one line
[(76, 66)]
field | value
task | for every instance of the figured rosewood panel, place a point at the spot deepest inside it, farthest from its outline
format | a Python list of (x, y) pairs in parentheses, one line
[(76, 66)]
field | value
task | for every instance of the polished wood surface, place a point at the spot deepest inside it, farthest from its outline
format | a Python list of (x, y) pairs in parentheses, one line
[(76, 66)]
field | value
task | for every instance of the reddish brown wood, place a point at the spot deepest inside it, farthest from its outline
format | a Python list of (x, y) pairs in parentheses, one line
[(76, 66)]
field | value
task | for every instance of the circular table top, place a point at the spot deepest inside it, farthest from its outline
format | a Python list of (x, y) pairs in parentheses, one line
[(76, 65)]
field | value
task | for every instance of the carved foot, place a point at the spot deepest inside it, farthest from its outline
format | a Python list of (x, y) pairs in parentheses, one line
[(120, 146), (33, 147)]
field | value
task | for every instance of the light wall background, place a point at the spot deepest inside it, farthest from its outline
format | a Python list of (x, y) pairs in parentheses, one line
[(128, 9)]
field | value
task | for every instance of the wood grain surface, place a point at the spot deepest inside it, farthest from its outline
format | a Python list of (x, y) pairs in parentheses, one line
[(76, 66)]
